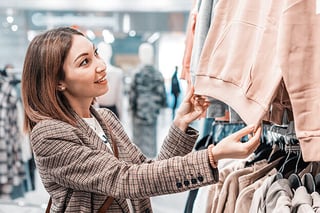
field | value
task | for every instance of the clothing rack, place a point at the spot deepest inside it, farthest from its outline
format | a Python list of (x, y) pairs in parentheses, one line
[(287, 131)]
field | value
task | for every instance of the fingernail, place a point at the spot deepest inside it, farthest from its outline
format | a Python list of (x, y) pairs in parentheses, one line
[(251, 126)]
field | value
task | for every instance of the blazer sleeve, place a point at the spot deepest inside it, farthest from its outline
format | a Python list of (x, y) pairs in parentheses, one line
[(177, 142), (63, 159)]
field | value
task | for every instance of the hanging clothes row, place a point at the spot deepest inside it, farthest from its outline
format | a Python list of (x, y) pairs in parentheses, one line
[(259, 58), (16, 167), (274, 177), (217, 130)]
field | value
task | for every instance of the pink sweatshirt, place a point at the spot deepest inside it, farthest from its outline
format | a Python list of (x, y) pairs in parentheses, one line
[(253, 47), (185, 73)]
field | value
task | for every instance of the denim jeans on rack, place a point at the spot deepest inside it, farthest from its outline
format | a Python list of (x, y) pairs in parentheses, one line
[(220, 130)]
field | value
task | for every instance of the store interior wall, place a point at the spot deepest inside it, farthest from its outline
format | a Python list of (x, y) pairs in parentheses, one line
[(161, 23)]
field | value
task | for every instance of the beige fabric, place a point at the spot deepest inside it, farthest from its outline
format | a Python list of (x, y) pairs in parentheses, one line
[(215, 189), (229, 191), (301, 201), (264, 168), (315, 202), (244, 199), (279, 196), (258, 203)]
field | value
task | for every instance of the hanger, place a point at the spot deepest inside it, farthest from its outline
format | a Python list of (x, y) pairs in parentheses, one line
[(309, 183), (290, 163), (294, 181), (317, 182), (295, 162), (294, 178), (278, 150), (263, 152), (289, 159)]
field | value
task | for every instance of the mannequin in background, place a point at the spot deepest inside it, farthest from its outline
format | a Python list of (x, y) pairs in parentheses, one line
[(175, 90), (112, 99), (146, 97), (4, 71)]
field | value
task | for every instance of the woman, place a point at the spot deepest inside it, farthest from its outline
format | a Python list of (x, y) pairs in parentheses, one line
[(84, 155)]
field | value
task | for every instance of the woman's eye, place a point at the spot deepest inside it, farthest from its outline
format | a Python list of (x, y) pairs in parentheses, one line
[(96, 52), (84, 62)]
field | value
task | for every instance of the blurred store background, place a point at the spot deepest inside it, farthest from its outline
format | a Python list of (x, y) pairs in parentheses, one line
[(125, 25)]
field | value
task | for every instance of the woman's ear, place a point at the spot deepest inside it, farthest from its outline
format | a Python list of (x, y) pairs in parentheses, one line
[(61, 87)]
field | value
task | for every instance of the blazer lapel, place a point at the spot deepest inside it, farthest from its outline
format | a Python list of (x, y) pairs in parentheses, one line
[(104, 126), (94, 141)]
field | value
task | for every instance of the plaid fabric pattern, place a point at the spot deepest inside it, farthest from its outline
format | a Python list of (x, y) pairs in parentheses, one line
[(76, 158), (12, 170)]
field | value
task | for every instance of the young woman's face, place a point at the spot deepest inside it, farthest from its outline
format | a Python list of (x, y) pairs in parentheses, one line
[(85, 73)]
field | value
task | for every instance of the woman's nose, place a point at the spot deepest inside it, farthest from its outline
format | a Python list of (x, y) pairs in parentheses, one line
[(101, 66)]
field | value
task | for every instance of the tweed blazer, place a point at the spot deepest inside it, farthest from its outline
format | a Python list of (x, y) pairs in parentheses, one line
[(79, 171)]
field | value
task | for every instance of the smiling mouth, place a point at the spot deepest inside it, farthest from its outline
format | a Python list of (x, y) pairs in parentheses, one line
[(101, 80)]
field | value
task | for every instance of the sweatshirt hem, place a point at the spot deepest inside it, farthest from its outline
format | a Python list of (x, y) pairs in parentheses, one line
[(250, 111)]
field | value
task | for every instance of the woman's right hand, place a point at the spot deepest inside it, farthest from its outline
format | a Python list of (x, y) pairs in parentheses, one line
[(232, 147), (191, 108)]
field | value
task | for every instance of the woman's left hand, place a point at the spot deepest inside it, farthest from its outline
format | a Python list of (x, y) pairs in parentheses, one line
[(192, 107)]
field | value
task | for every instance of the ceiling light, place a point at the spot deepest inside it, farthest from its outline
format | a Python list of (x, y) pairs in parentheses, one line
[(107, 36), (10, 19), (132, 33), (126, 25), (154, 37), (90, 34), (14, 28)]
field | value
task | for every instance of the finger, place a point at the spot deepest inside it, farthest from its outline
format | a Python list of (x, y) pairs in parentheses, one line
[(244, 131), (189, 94), (258, 131), (192, 116), (254, 142), (201, 99)]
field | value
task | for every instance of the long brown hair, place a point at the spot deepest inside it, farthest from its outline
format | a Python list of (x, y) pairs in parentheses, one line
[(42, 70)]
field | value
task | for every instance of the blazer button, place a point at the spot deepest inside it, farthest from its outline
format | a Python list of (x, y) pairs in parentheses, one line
[(200, 178), (179, 184), (186, 183), (193, 180)]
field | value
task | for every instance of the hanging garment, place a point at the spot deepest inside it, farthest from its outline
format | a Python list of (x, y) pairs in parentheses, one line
[(279, 197), (316, 202), (251, 47), (202, 26), (230, 189), (12, 170), (234, 63), (185, 73), (244, 199), (146, 97), (299, 50)]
